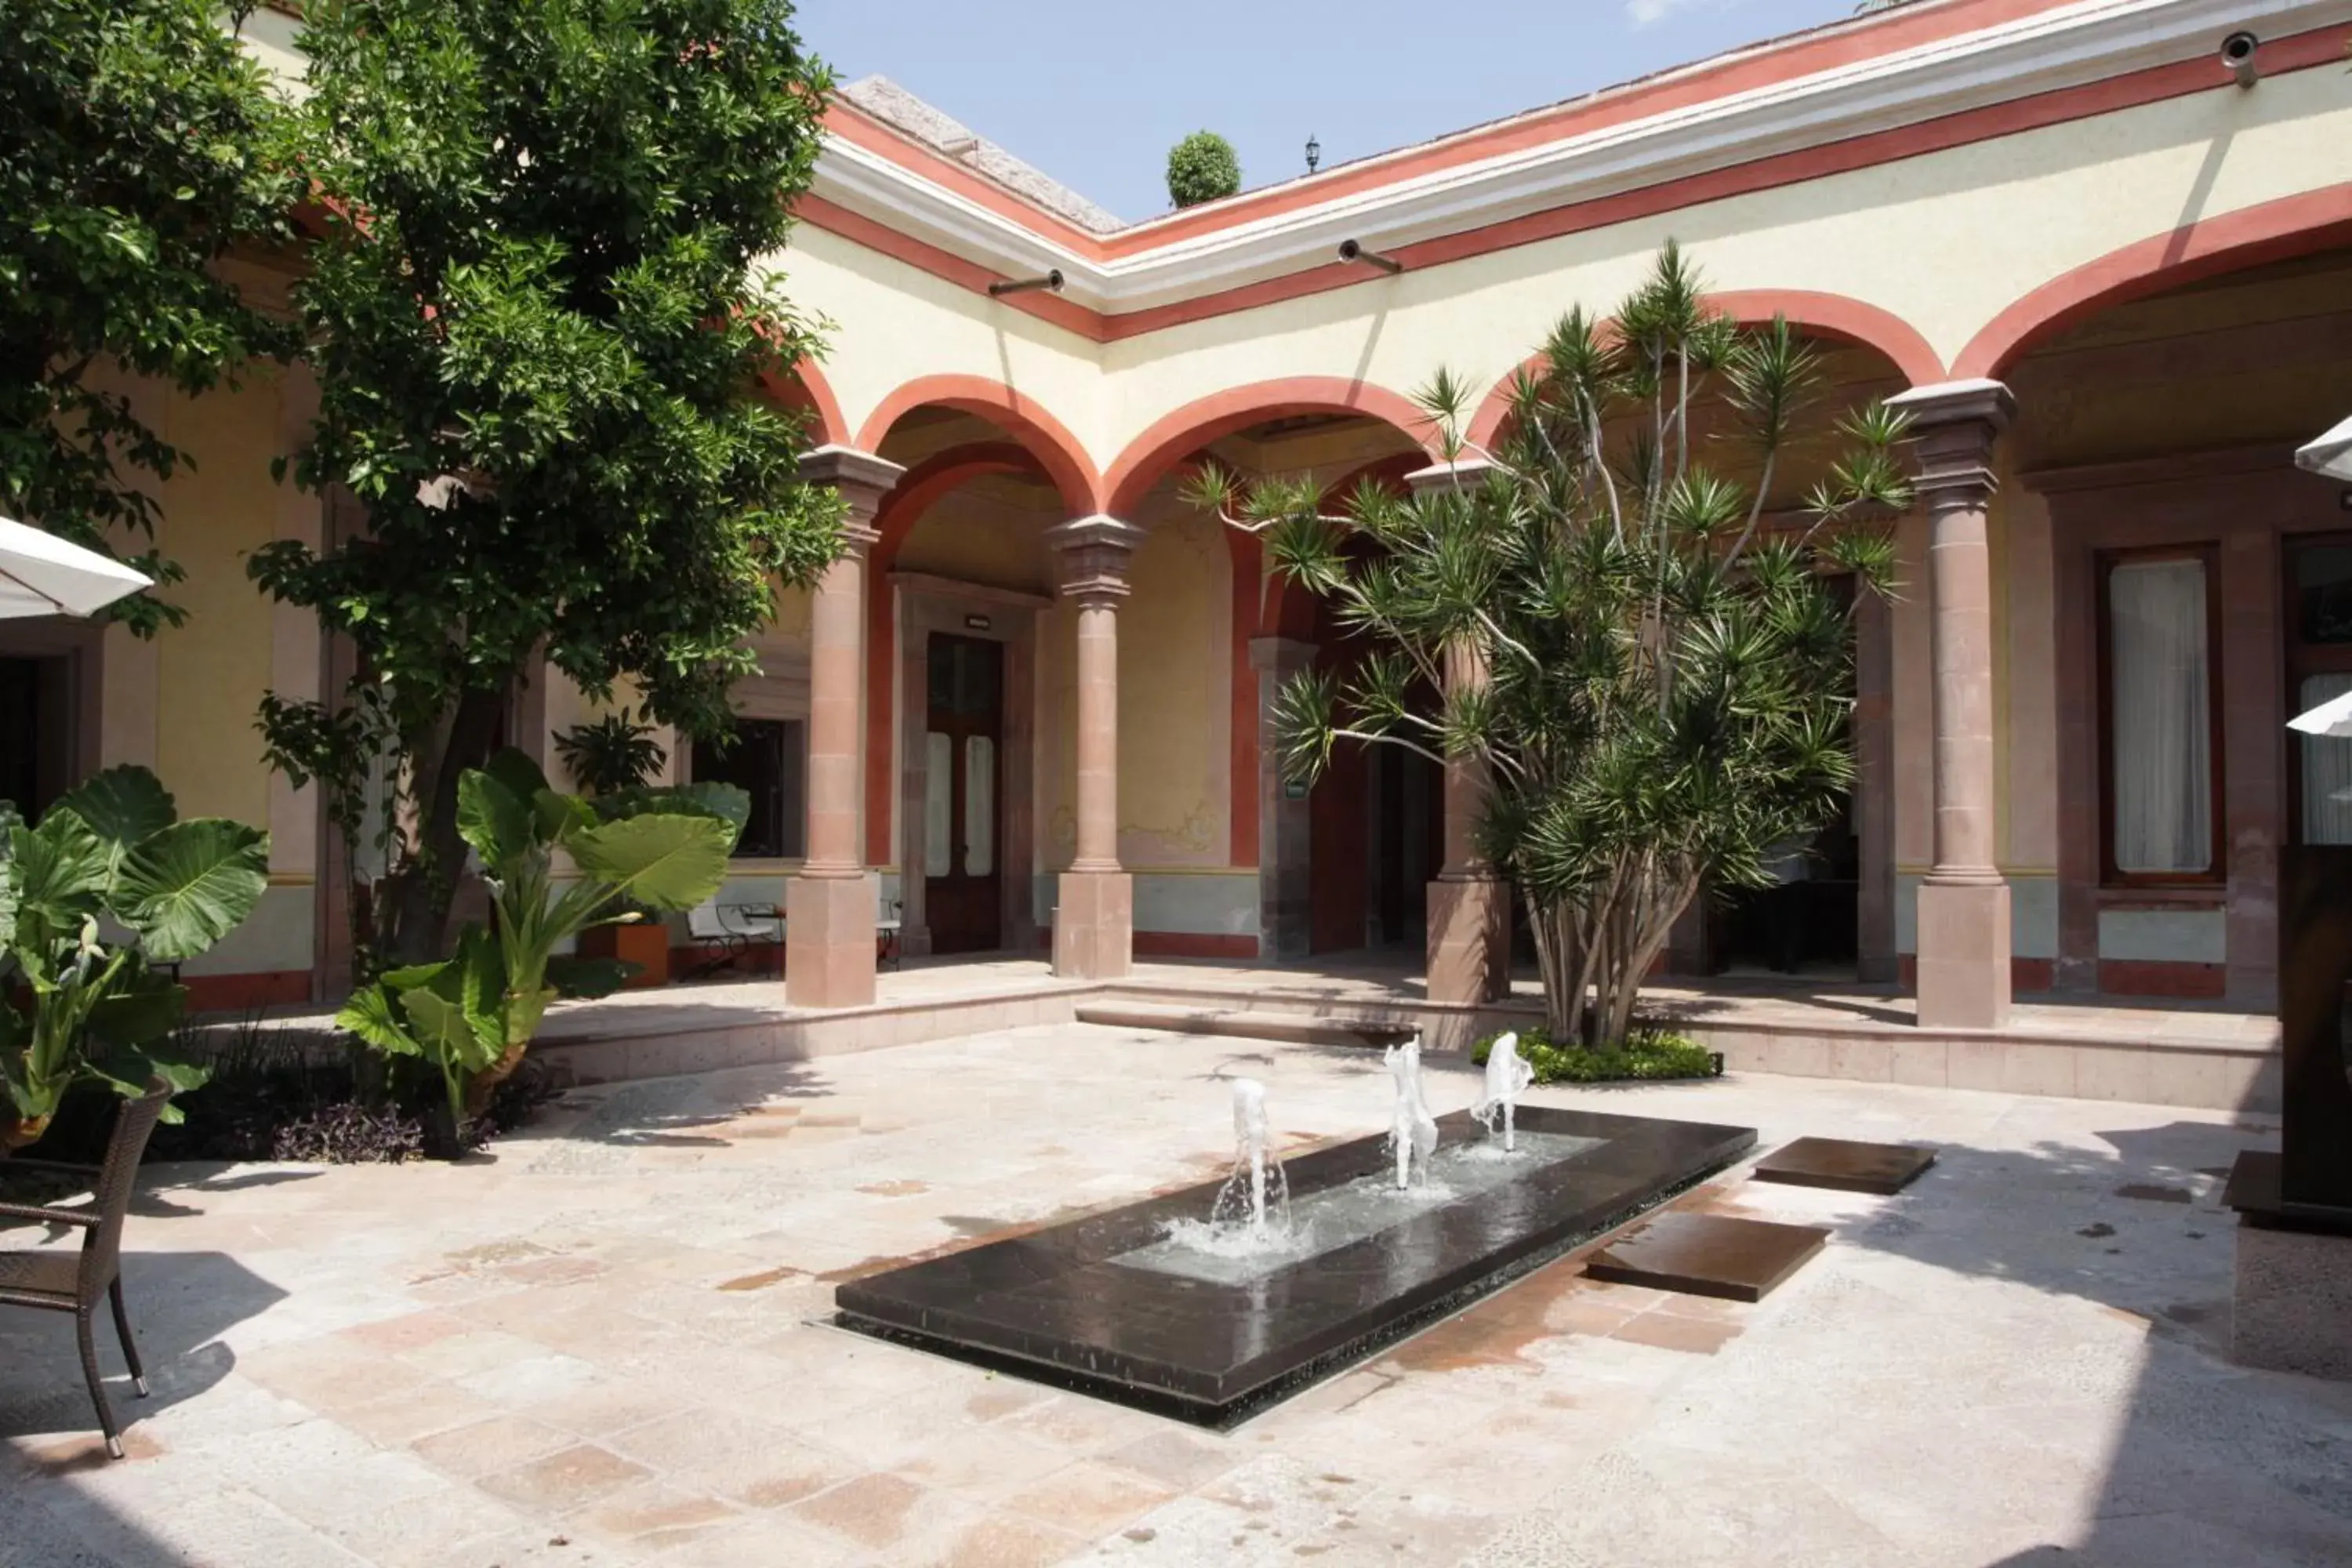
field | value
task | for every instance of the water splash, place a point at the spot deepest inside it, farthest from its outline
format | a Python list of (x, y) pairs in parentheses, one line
[(1508, 1077), (1255, 1203), (1412, 1134)]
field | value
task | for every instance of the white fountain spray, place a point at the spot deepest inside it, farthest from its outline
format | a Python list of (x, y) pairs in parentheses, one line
[(1412, 1135), (1508, 1077), (1257, 1176)]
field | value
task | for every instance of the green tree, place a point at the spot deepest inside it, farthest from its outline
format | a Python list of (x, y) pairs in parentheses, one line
[(1653, 674), (539, 318), (1202, 168), (137, 149)]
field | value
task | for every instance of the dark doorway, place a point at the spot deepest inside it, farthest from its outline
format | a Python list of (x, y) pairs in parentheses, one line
[(964, 880), (36, 732)]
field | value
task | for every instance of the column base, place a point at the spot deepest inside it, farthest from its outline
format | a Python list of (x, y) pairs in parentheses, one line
[(1094, 925), (829, 940), (2294, 1307), (1469, 940), (1964, 947)]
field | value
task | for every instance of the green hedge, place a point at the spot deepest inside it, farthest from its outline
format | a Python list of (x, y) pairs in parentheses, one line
[(1648, 1055)]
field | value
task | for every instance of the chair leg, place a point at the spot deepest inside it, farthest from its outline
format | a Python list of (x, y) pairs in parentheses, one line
[(97, 1385), (122, 1332)]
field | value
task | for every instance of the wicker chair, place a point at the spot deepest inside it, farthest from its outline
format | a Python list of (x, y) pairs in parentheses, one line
[(53, 1280)]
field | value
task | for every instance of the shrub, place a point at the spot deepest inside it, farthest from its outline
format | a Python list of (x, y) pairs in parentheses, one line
[(1647, 1055), (1202, 168)]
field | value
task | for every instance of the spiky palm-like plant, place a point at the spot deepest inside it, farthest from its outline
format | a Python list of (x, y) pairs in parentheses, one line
[(1653, 675)]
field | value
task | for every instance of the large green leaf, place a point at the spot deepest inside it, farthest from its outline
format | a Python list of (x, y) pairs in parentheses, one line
[(371, 1014), (457, 1019), (494, 820), (60, 870), (191, 885), (11, 824), (123, 805), (515, 770), (663, 862)]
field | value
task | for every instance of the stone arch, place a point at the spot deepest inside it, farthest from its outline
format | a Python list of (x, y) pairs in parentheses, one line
[(2267, 231), (1046, 439), (1175, 437)]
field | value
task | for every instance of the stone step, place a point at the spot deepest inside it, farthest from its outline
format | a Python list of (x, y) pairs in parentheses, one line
[(1292, 1029)]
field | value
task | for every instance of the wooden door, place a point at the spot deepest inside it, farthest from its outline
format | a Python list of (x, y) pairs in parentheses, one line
[(963, 881)]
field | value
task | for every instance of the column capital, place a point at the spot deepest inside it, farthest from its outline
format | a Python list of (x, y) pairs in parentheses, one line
[(1953, 427), (1094, 552), (1466, 472), (1981, 402), (864, 480)]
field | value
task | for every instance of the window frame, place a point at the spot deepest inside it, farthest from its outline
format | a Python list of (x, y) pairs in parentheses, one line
[(2216, 873), (792, 758)]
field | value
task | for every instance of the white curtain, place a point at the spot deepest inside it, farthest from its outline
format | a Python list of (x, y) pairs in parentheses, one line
[(2162, 718), (978, 806), (939, 805), (2326, 768)]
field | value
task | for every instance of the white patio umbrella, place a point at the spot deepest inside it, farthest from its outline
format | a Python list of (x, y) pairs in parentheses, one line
[(41, 574), (2330, 455), (2333, 717)]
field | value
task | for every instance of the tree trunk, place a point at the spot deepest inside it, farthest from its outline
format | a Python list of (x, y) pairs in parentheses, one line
[(1562, 963), (419, 896)]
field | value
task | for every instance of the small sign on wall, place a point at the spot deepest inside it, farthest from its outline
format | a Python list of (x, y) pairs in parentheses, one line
[(976, 623), (1294, 789)]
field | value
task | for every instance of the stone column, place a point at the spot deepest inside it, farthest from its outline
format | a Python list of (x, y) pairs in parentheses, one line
[(1094, 917), (1284, 893), (1469, 904), (1964, 919), (830, 908)]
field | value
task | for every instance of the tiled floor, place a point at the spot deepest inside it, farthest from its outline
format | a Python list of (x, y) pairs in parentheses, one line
[(601, 1345)]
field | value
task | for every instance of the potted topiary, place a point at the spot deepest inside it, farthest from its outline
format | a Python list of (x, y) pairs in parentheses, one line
[(610, 756)]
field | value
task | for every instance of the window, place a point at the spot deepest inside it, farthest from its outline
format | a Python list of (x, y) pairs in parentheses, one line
[(2319, 666), (768, 760), (2163, 753)]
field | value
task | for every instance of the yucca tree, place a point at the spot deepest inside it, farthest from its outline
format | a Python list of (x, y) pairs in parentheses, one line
[(1654, 675)]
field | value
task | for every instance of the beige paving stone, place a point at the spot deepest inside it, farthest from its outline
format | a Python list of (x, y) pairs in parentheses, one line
[(498, 1444), (565, 1480)]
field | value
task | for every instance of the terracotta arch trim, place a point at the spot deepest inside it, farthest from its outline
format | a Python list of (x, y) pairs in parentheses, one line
[(2268, 231), (1825, 315), (1176, 436), (806, 387), (1060, 453)]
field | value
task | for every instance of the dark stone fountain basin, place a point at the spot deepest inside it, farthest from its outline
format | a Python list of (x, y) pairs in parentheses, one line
[(1098, 1305)]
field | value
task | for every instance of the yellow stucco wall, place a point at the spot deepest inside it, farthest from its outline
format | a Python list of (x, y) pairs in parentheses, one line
[(214, 669)]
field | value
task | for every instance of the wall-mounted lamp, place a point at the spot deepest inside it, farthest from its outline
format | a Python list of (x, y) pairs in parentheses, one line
[(2237, 57), (1051, 281), (1349, 250), (1314, 152)]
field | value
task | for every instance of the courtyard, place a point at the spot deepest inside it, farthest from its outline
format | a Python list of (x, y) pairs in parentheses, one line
[(605, 1341)]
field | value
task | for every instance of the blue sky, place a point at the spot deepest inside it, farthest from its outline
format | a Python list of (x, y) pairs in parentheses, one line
[(1094, 92)]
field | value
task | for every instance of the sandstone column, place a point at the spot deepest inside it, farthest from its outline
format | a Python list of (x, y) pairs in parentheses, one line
[(1094, 919), (1469, 904), (830, 908), (1286, 897), (1964, 920)]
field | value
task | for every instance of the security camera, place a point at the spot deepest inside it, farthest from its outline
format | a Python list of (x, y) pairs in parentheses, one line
[(2237, 57)]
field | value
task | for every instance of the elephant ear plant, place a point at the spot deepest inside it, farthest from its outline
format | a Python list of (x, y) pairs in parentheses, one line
[(474, 1015), (78, 1002)]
